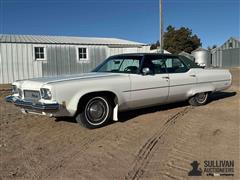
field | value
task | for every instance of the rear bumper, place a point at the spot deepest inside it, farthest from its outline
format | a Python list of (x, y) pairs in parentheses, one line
[(31, 105)]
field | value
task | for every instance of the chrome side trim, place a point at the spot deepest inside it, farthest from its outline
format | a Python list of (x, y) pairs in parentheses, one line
[(177, 85)]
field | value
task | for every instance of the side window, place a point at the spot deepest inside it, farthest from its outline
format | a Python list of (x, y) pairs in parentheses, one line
[(112, 66), (159, 66), (121, 65), (82, 54), (155, 64), (129, 65), (190, 63), (175, 65), (39, 53)]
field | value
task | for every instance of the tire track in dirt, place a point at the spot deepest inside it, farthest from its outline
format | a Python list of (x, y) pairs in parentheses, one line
[(147, 150), (38, 168), (180, 156), (72, 153)]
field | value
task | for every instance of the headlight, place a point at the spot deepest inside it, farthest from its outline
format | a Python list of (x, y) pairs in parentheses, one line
[(14, 89), (45, 93)]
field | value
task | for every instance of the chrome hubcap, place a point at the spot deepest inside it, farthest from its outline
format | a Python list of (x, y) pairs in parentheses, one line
[(201, 97), (96, 111)]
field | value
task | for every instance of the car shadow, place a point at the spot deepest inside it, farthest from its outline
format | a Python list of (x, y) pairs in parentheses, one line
[(220, 95), (65, 119), (125, 116), (128, 115)]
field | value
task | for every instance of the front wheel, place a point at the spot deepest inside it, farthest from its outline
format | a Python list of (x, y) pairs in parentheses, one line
[(199, 99), (96, 113)]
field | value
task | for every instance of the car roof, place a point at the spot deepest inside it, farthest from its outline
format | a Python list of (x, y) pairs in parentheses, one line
[(146, 54)]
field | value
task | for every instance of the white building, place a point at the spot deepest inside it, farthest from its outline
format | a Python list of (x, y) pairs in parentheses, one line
[(29, 56)]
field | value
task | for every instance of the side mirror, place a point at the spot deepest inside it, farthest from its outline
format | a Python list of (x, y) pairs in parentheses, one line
[(145, 71)]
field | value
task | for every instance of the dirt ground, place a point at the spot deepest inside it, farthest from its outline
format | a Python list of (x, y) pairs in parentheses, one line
[(154, 143)]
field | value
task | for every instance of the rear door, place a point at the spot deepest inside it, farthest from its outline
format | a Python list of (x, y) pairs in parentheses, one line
[(150, 89), (181, 79)]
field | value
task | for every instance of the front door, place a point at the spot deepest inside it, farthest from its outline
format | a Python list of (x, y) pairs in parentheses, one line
[(152, 88)]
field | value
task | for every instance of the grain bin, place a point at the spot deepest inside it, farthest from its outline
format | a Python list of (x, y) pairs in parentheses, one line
[(189, 56), (202, 57)]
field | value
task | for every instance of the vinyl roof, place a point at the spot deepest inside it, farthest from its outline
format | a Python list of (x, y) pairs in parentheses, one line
[(42, 39), (146, 54)]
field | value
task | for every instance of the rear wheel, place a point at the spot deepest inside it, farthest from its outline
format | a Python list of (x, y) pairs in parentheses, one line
[(96, 113), (199, 99)]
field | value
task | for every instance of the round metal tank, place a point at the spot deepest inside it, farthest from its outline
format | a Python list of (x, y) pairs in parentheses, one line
[(202, 57), (189, 56)]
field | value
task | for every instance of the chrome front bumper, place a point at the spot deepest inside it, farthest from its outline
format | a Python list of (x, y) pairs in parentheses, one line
[(31, 105)]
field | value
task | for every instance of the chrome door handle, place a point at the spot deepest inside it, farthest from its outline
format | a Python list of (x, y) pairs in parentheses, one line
[(193, 75), (165, 77)]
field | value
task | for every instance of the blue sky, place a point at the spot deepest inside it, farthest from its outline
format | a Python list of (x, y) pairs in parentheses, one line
[(214, 21)]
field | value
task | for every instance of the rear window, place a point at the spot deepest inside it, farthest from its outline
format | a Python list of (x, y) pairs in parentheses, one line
[(175, 65), (190, 64)]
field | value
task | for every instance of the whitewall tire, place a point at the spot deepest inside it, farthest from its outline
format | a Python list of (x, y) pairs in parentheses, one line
[(199, 99), (96, 113)]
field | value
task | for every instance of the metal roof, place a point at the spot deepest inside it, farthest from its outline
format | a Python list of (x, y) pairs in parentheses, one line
[(41, 39), (236, 38), (199, 49)]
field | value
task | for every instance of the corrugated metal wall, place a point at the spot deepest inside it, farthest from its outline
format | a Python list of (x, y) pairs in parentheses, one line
[(226, 55), (231, 57), (115, 51), (17, 60), (217, 58), (62, 59)]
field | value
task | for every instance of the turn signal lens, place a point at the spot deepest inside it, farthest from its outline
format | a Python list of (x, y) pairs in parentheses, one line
[(14, 89)]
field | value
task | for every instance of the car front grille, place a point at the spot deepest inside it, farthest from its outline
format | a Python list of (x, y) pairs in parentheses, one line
[(32, 95)]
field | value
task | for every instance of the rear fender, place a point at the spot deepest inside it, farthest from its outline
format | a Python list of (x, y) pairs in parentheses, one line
[(200, 89)]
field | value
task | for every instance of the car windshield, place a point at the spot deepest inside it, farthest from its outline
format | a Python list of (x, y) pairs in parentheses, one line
[(120, 64)]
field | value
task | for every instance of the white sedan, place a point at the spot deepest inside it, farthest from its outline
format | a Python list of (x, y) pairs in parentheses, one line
[(120, 83)]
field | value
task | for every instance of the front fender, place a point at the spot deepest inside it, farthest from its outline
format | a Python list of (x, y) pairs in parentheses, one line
[(72, 106)]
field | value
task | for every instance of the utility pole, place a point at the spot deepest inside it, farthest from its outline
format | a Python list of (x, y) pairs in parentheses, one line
[(161, 26)]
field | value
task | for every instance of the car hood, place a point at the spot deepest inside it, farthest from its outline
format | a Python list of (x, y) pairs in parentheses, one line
[(39, 82)]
